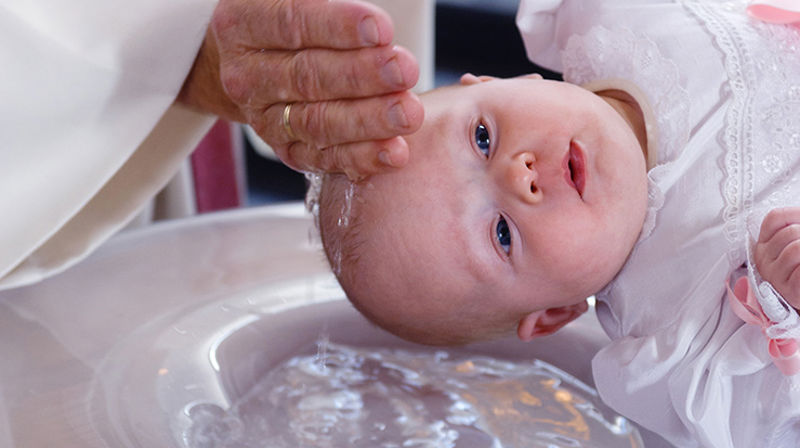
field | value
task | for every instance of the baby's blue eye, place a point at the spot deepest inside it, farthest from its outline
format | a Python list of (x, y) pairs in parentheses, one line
[(503, 235), (482, 139)]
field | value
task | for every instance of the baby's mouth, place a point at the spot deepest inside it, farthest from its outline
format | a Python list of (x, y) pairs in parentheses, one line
[(575, 167)]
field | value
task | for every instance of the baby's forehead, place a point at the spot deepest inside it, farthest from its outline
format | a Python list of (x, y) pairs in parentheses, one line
[(432, 231)]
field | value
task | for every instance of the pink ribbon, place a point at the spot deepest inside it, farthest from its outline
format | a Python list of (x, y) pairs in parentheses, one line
[(785, 353), (775, 11)]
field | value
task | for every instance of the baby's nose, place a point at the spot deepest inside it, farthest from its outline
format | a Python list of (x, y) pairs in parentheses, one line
[(521, 177)]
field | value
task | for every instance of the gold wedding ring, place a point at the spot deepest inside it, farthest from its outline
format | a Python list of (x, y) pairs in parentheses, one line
[(287, 125)]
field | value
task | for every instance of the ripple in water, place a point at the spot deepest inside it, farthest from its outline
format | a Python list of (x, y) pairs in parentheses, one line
[(355, 397)]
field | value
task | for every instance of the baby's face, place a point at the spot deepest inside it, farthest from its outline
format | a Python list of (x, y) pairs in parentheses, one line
[(520, 194)]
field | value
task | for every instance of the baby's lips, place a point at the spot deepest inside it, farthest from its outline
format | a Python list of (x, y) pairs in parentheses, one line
[(574, 167)]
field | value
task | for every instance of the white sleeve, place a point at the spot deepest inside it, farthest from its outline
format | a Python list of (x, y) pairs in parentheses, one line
[(86, 86), (547, 25), (536, 21)]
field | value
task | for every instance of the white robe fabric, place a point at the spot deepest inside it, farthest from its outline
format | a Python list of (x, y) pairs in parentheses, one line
[(721, 96), (89, 129)]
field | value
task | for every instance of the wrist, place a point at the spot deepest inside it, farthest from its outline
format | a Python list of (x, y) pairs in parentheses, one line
[(202, 90)]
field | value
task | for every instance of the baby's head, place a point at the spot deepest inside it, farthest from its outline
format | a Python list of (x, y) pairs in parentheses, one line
[(521, 198)]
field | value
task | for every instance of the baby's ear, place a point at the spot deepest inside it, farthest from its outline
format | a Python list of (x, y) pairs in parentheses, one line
[(544, 322), (468, 79)]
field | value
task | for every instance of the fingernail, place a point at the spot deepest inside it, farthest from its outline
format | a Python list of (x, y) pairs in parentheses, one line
[(368, 28), (385, 157), (391, 72), (397, 116)]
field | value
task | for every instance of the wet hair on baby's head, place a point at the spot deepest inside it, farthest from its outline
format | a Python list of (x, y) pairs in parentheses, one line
[(338, 222)]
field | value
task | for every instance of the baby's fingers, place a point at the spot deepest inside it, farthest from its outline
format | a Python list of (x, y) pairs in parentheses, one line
[(783, 240), (776, 220), (778, 258), (789, 259), (793, 288), (787, 271), (356, 160)]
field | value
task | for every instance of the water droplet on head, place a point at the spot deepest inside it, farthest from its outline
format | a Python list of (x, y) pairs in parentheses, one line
[(312, 194), (347, 205)]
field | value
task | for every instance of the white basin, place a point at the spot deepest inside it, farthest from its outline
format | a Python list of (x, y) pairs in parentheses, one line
[(114, 351)]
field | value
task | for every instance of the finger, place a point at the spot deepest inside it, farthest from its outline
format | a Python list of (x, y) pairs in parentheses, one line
[(792, 295), (356, 160), (789, 257), (296, 24), (263, 78), (773, 248), (330, 123), (777, 219)]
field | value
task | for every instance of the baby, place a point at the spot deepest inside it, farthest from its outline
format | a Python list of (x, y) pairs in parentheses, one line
[(521, 198), (670, 173)]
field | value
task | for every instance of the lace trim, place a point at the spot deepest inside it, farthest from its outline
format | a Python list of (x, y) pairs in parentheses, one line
[(736, 136), (762, 130), (602, 54)]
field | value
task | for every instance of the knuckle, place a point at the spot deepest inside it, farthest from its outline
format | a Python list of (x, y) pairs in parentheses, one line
[(792, 252), (289, 24), (340, 160), (353, 79), (361, 122), (234, 82), (794, 232), (303, 75), (313, 123), (225, 18)]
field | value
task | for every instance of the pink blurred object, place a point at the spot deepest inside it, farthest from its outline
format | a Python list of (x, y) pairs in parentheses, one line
[(775, 11), (216, 170)]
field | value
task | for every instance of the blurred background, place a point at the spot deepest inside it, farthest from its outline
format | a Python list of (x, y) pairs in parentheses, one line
[(477, 36)]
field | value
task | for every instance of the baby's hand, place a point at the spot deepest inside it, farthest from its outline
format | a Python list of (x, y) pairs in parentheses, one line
[(777, 252)]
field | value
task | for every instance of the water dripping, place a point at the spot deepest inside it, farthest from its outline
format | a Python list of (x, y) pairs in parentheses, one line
[(312, 203), (347, 206), (343, 222), (322, 351), (312, 194)]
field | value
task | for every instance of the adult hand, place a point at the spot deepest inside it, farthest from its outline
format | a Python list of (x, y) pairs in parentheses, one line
[(332, 61), (777, 252)]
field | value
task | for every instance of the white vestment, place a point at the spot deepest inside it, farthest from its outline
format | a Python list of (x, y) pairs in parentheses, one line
[(90, 132)]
